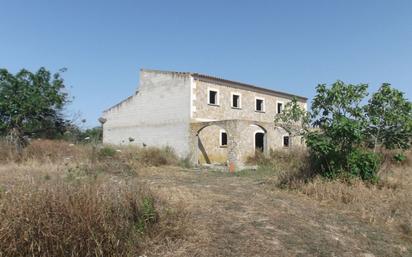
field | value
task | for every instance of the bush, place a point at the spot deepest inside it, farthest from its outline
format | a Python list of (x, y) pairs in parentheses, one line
[(331, 163), (106, 151), (364, 164), (152, 156), (74, 220)]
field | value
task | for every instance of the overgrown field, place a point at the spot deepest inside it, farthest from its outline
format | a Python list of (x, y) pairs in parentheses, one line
[(386, 203), (60, 199)]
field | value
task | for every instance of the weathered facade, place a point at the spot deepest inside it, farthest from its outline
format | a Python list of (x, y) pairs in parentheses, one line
[(209, 119)]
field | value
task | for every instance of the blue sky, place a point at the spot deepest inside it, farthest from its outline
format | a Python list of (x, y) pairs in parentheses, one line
[(284, 45)]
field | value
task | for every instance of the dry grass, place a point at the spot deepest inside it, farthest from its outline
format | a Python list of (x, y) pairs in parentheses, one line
[(60, 199), (387, 203), (61, 219)]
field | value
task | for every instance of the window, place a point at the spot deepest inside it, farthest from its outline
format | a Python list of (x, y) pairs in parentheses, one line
[(223, 138), (286, 141), (236, 101), (279, 107), (260, 105), (213, 97)]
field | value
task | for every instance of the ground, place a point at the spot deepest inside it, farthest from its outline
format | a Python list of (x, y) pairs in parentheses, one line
[(201, 212), (233, 215)]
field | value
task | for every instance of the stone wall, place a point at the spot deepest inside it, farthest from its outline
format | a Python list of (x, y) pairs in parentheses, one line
[(205, 140), (171, 109), (203, 111), (257, 121)]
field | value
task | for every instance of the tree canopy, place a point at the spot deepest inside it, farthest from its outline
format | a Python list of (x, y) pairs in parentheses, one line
[(343, 130), (31, 103)]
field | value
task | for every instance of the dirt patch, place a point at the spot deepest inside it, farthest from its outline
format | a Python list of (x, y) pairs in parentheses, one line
[(240, 216)]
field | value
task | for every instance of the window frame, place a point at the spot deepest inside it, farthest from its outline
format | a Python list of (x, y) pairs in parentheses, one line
[(217, 97), (239, 100), (221, 138), (263, 104), (283, 106), (283, 141)]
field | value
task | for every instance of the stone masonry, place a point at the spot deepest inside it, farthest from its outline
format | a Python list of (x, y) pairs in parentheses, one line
[(174, 109)]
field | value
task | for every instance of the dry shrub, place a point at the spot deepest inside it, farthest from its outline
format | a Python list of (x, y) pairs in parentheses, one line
[(292, 158), (59, 199), (284, 166), (7, 151), (43, 150), (385, 203), (55, 151), (74, 219), (152, 156), (389, 162)]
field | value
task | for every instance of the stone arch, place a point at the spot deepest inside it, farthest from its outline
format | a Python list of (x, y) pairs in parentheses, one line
[(209, 143), (264, 131)]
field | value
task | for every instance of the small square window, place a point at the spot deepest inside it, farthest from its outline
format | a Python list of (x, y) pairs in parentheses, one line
[(213, 97), (260, 105), (223, 138), (286, 141), (279, 107), (235, 101)]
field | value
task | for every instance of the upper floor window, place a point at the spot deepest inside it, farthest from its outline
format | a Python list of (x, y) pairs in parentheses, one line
[(260, 105), (213, 97), (279, 107), (236, 101)]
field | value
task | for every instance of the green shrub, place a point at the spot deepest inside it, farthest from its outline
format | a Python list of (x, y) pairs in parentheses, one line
[(399, 157), (344, 127), (185, 162), (107, 151), (363, 164), (148, 214)]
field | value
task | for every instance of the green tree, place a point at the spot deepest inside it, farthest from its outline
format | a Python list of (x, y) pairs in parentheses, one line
[(30, 103), (389, 116), (93, 134), (294, 119), (337, 143), (344, 129)]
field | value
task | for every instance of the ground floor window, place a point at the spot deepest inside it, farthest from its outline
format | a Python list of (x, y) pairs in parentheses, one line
[(223, 138), (259, 141), (286, 141)]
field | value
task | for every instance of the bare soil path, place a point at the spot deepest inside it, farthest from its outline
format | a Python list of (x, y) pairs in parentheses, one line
[(242, 216)]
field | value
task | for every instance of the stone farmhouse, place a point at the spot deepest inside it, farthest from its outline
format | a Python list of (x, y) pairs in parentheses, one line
[(204, 118)]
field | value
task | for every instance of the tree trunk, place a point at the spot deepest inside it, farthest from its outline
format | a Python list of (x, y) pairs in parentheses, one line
[(18, 139)]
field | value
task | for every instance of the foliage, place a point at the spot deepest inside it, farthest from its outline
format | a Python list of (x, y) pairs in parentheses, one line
[(363, 164), (344, 129), (94, 134), (389, 116), (338, 113), (294, 119), (31, 104), (107, 151), (399, 157)]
